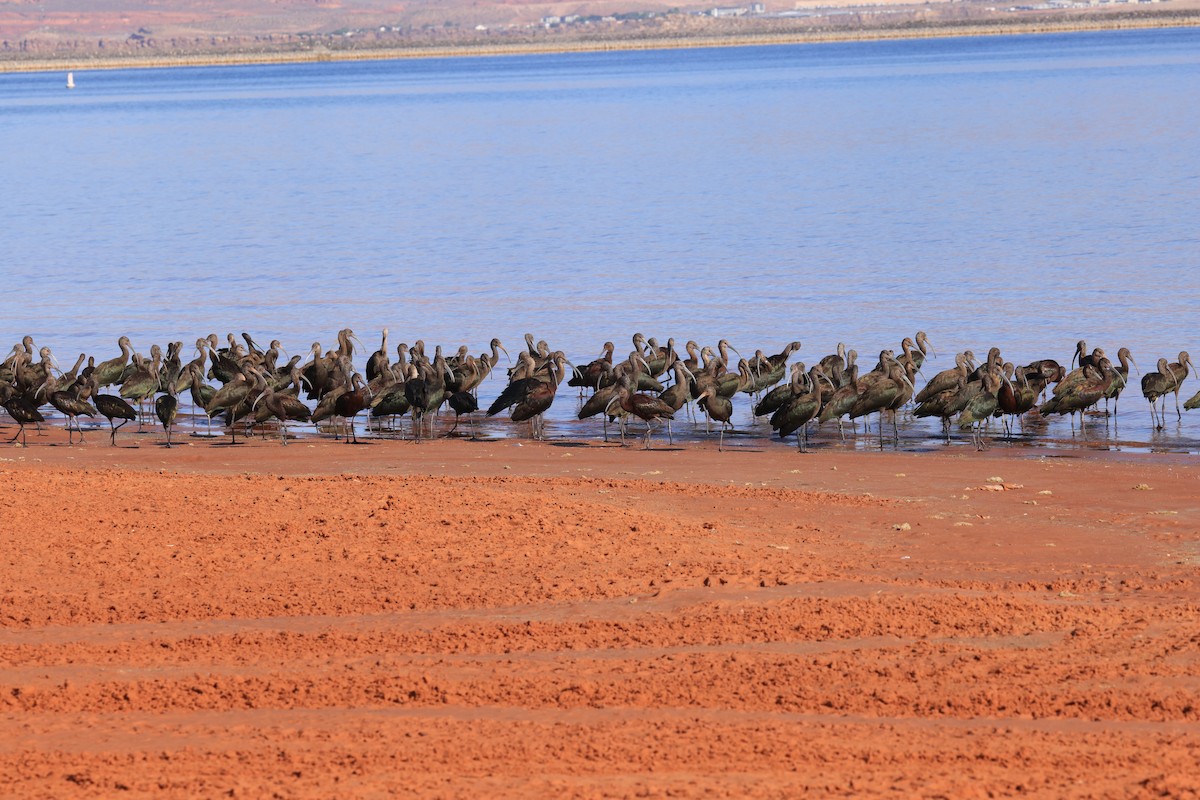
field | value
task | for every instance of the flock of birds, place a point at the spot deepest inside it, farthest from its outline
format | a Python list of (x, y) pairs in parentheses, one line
[(242, 383)]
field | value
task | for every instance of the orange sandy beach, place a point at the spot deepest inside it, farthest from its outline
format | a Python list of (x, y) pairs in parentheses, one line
[(482, 619)]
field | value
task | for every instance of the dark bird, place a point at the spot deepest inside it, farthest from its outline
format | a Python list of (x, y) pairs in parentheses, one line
[(165, 408), (597, 373), (1180, 369), (378, 362), (228, 399), (643, 406), (794, 415), (201, 392), (392, 401), (24, 412), (1120, 378), (351, 402), (112, 407), (1016, 397), (462, 402), (283, 407), (1157, 385), (70, 404), (529, 398), (887, 393), (719, 408), (839, 403), (110, 371), (981, 405), (1083, 392), (948, 379), (780, 395)]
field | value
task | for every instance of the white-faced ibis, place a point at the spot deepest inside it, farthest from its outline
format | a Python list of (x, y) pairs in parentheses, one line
[(351, 402), (142, 382), (601, 400), (948, 402), (1120, 378), (172, 367), (718, 408), (70, 405), (948, 379), (165, 408), (981, 405), (993, 361), (839, 403), (1082, 393), (659, 359), (595, 373), (642, 406), (110, 371), (283, 407), (24, 412), (228, 398), (884, 393), (70, 376), (782, 394), (1181, 369), (1016, 396), (427, 392), (924, 349), (1157, 385), (462, 402), (794, 415), (769, 370), (529, 398), (393, 401), (112, 407), (201, 392), (378, 362)]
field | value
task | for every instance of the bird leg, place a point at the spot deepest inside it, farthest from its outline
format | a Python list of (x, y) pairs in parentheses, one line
[(113, 438)]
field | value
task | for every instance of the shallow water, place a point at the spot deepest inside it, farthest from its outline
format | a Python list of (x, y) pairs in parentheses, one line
[(1023, 192)]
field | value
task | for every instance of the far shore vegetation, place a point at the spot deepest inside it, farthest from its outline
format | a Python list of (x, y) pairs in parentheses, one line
[(142, 50)]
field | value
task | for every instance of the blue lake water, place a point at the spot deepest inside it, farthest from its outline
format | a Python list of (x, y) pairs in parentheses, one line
[(1023, 192)]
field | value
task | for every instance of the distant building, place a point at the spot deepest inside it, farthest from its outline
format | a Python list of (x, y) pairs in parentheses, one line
[(737, 11)]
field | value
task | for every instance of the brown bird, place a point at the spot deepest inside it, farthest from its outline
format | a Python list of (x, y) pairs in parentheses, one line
[(1157, 385), (165, 408), (24, 412), (643, 406), (70, 404), (112, 407)]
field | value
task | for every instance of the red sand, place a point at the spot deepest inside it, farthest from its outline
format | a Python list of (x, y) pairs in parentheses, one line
[(480, 619)]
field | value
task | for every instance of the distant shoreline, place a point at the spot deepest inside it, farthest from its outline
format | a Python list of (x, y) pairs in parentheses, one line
[(947, 30)]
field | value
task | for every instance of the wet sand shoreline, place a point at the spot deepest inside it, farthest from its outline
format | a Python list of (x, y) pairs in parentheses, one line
[(450, 618)]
